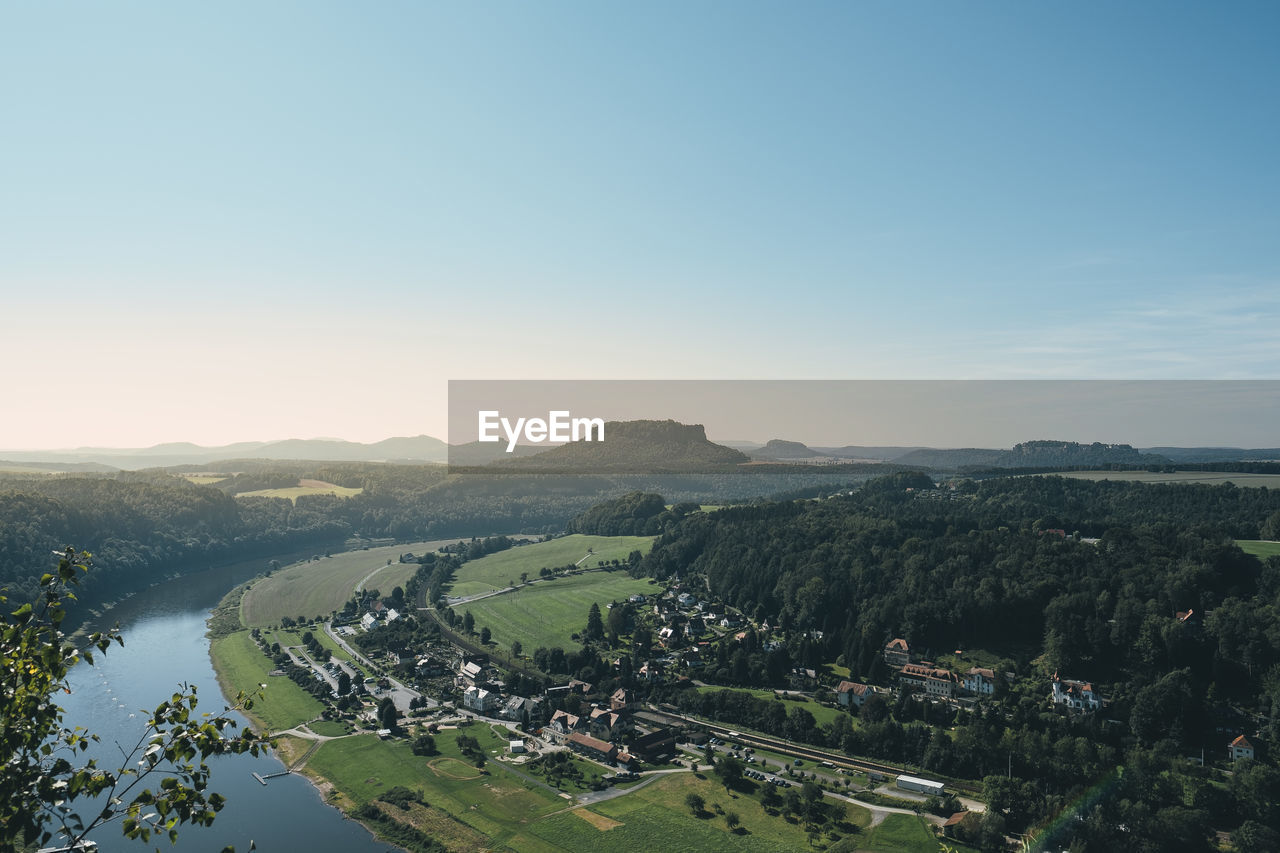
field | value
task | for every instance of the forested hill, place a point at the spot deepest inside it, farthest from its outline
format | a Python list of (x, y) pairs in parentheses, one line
[(637, 447), (991, 569)]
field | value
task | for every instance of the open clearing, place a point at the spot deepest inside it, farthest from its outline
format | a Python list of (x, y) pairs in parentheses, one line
[(1260, 548), (304, 487), (599, 821), (316, 587), (1212, 478), (498, 571), (821, 713), (548, 613)]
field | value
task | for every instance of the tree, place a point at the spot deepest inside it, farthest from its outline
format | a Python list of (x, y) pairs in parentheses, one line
[(344, 683), (387, 713), (516, 648), (43, 774), (595, 625), (468, 622), (732, 820), (730, 770), (485, 635), (424, 744), (695, 803)]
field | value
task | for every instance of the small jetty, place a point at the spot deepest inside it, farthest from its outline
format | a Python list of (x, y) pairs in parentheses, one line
[(263, 779)]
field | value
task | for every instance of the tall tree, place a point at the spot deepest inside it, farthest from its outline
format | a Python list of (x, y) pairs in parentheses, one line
[(595, 625)]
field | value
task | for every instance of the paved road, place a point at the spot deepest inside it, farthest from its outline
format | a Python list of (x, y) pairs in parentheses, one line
[(400, 694)]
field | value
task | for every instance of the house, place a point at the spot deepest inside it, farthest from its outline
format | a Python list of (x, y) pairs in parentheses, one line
[(481, 701), (516, 707), (563, 723), (979, 681), (684, 599), (593, 748), (429, 667), (367, 621), (626, 761), (851, 693), (730, 621), (655, 747), (606, 724), (1240, 748), (636, 598), (620, 699), (897, 653), (650, 671), (962, 826), (471, 672), (576, 686), (515, 746), (1075, 695), (935, 682), (666, 635), (392, 614)]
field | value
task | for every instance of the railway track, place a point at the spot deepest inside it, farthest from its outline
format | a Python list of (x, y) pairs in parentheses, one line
[(795, 750)]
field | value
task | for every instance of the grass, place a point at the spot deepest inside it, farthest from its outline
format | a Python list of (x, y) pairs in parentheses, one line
[(329, 728), (1213, 478), (241, 666), (900, 832), (203, 479), (1260, 548), (498, 571), (548, 613), (496, 804), (317, 587), (304, 487), (822, 715)]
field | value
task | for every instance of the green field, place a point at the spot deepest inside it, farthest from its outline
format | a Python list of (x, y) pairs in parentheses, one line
[(1260, 548), (656, 818), (548, 613), (498, 571), (900, 832), (239, 663), (497, 804), (316, 587), (821, 713), (1213, 478)]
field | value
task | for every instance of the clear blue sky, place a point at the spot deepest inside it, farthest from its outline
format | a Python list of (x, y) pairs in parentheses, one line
[(244, 221)]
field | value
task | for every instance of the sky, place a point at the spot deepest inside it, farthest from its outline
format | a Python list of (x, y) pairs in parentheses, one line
[(247, 221)]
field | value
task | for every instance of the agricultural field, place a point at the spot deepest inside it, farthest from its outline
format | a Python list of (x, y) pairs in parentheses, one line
[(316, 587), (500, 570), (549, 612), (1213, 478), (497, 805), (283, 705), (203, 479), (1260, 548), (304, 487)]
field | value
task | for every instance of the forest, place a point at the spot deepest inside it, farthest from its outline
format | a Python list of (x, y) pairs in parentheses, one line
[(1136, 588)]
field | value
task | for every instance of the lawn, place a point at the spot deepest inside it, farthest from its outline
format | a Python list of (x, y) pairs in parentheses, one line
[(900, 832), (656, 817), (1260, 548), (549, 612), (500, 570), (317, 587), (495, 803), (241, 666)]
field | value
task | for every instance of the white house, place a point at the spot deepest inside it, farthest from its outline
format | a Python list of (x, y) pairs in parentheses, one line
[(480, 700), (979, 681), (852, 693), (1240, 748), (1075, 695), (367, 621)]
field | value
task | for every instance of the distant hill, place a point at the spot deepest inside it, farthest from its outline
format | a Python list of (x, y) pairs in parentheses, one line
[(1214, 454), (777, 449), (853, 451), (1032, 454), (928, 457), (422, 448), (638, 447)]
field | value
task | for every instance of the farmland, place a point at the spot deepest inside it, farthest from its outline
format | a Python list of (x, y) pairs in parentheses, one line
[(1212, 478), (316, 587), (304, 487), (549, 612), (500, 570)]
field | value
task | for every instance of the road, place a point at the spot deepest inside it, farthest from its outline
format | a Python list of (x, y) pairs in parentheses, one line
[(400, 694)]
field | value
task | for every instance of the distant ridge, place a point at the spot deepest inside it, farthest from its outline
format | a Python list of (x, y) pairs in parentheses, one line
[(638, 447), (776, 450)]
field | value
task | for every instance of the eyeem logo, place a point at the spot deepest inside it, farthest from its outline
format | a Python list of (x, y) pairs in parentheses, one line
[(559, 427)]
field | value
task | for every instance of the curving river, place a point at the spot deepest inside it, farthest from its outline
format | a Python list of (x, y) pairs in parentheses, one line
[(165, 645)]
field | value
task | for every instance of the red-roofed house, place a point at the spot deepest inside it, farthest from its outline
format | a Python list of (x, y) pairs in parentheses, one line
[(1075, 695), (1240, 748), (592, 748), (897, 652), (936, 682), (980, 681), (852, 693)]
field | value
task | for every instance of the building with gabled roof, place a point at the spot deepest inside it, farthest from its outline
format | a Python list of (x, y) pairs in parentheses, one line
[(934, 681), (1075, 695), (980, 681), (852, 693), (1240, 748), (897, 653), (592, 747)]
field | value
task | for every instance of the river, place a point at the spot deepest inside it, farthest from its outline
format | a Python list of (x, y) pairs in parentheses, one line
[(165, 646)]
